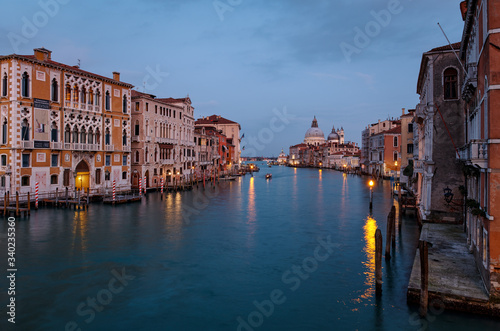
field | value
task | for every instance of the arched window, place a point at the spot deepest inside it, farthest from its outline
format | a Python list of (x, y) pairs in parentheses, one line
[(90, 135), (25, 85), (4, 85), (4, 131), (146, 155), (75, 135), (91, 97), (108, 101), (125, 104), (107, 137), (55, 90), (53, 132), (97, 98), (68, 92), (25, 130), (124, 140), (83, 136), (67, 134), (137, 157), (97, 136), (450, 84), (83, 95), (395, 141), (75, 93)]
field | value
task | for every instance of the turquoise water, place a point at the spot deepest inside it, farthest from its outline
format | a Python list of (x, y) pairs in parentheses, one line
[(292, 253)]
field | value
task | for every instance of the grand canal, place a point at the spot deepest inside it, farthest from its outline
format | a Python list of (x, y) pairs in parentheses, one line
[(292, 253)]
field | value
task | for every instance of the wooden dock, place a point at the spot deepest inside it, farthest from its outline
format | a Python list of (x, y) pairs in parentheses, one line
[(121, 199)]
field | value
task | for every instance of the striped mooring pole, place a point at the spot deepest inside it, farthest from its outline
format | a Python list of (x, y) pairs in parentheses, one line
[(36, 195), (114, 190), (161, 183), (145, 185), (140, 186)]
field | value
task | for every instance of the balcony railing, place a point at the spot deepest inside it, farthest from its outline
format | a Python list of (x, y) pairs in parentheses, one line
[(167, 162), (27, 144), (109, 148), (126, 148), (56, 145), (135, 139), (475, 152), (148, 139)]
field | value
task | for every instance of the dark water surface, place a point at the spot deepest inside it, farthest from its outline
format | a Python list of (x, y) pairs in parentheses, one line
[(300, 247)]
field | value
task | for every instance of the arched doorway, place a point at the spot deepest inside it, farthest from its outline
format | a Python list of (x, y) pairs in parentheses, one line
[(82, 179), (135, 179)]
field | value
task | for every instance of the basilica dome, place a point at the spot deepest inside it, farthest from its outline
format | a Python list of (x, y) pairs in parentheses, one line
[(333, 136), (314, 136)]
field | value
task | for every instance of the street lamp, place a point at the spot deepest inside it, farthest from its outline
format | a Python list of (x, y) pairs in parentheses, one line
[(448, 195), (371, 184)]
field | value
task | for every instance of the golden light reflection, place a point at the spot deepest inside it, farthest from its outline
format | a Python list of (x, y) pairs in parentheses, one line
[(80, 224), (252, 215), (369, 235)]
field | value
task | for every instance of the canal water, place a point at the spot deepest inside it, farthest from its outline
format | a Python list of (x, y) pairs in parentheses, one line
[(292, 253)]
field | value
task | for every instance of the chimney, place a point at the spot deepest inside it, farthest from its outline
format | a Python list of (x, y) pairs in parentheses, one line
[(42, 54), (116, 76), (403, 111)]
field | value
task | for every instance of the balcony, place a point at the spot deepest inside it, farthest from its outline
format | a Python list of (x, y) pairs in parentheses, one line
[(418, 166), (470, 82), (126, 148), (167, 162), (84, 147), (135, 139), (475, 152), (109, 148), (27, 144), (56, 145), (148, 139)]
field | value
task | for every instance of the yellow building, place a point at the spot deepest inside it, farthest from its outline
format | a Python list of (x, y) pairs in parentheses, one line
[(61, 127)]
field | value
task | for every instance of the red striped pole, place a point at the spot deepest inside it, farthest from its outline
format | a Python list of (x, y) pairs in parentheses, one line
[(145, 185), (140, 186), (161, 183), (36, 195), (114, 190)]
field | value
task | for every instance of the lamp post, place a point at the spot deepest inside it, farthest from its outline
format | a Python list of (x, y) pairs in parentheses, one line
[(448, 195), (371, 184)]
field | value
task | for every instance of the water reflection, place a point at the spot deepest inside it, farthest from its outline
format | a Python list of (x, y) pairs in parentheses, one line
[(79, 232), (251, 212), (369, 264)]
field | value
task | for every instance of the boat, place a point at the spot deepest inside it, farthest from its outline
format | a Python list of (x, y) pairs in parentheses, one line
[(227, 178), (269, 176)]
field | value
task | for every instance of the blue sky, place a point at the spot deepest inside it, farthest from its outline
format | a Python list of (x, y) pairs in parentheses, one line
[(242, 59)]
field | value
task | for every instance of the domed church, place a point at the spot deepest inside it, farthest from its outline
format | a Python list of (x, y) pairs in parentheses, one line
[(314, 136), (336, 136)]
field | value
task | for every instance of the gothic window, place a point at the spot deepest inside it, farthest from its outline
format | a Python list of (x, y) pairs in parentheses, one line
[(83, 95), (97, 137), (4, 131), (107, 137), (55, 90), (53, 132), (137, 157), (97, 98), (108, 101), (395, 141), (67, 134), (83, 136), (90, 139), (75, 135), (124, 104), (25, 87), (124, 140), (25, 130), (75, 93), (450, 84), (68, 92), (4, 85), (91, 97)]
